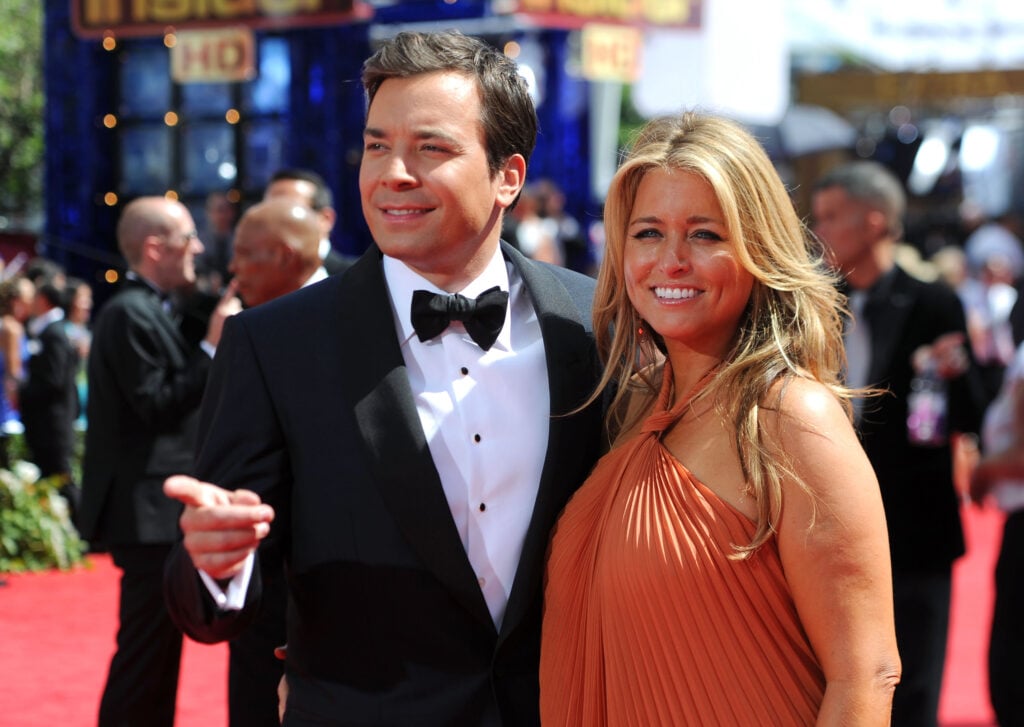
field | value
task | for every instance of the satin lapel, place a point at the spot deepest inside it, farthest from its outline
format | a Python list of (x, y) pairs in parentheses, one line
[(887, 310), (375, 379), (568, 347)]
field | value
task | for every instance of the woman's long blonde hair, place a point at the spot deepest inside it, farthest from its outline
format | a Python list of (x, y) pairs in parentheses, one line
[(793, 322)]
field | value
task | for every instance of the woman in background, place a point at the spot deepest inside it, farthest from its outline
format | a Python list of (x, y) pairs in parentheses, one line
[(78, 314), (16, 294)]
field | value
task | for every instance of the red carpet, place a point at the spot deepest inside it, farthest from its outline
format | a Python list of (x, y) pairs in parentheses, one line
[(56, 639), (57, 636), (964, 700)]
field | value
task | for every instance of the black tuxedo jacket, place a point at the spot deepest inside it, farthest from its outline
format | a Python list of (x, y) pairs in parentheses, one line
[(309, 404), (335, 263), (145, 386), (921, 503), (48, 399)]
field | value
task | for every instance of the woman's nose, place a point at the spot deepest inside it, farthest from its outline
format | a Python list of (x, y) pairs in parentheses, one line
[(676, 256)]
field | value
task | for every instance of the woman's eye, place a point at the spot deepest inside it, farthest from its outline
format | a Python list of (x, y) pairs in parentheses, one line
[(648, 234), (707, 235)]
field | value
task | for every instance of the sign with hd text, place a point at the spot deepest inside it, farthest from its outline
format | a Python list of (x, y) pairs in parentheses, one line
[(220, 55)]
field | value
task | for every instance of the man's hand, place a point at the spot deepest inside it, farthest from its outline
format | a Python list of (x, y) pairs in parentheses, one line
[(227, 306), (946, 353), (281, 652), (221, 527)]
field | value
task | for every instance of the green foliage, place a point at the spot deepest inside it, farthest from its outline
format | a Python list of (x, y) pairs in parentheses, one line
[(21, 105), (630, 120), (35, 527)]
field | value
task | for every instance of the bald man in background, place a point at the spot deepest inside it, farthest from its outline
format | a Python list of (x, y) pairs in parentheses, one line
[(309, 188), (276, 251), (145, 385)]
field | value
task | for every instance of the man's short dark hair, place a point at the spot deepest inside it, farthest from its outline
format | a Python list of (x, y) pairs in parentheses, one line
[(875, 185), (322, 196), (508, 116)]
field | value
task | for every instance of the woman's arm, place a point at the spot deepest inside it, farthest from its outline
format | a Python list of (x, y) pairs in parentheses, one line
[(835, 552), (11, 333)]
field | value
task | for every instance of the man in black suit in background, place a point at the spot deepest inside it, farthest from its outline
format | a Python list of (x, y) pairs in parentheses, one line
[(412, 468), (275, 253), (48, 396), (902, 326), (145, 385), (309, 188)]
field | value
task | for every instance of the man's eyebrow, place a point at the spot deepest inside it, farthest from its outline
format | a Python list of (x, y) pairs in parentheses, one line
[(425, 133)]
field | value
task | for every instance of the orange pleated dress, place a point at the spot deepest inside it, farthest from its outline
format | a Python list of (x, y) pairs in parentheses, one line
[(647, 621)]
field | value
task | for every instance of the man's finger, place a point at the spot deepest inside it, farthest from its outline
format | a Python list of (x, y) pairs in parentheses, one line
[(230, 291), (218, 518), (202, 542), (245, 497), (193, 492)]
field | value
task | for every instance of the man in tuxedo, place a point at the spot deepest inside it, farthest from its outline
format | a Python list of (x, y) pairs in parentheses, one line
[(309, 188), (900, 327), (48, 396), (145, 385), (412, 467), (276, 251)]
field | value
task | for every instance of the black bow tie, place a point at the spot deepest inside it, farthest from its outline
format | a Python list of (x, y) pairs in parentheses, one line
[(483, 316)]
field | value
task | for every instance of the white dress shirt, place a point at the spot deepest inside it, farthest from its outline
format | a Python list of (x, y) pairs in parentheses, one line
[(857, 338), (485, 417)]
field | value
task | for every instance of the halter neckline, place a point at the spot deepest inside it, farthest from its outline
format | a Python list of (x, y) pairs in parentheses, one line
[(663, 417)]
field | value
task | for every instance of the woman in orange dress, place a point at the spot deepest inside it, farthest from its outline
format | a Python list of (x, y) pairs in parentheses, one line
[(727, 561)]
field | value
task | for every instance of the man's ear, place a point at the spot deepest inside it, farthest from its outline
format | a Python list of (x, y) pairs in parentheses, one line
[(329, 216), (152, 247), (286, 254), (877, 224), (511, 178)]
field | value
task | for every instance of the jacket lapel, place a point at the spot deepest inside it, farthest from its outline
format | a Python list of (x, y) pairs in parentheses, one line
[(886, 310), (400, 462), (571, 361)]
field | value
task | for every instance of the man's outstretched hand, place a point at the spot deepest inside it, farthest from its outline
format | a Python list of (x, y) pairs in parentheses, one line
[(221, 527)]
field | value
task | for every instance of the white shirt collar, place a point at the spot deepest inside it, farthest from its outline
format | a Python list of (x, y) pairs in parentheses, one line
[(39, 323), (132, 275), (319, 274), (403, 280)]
